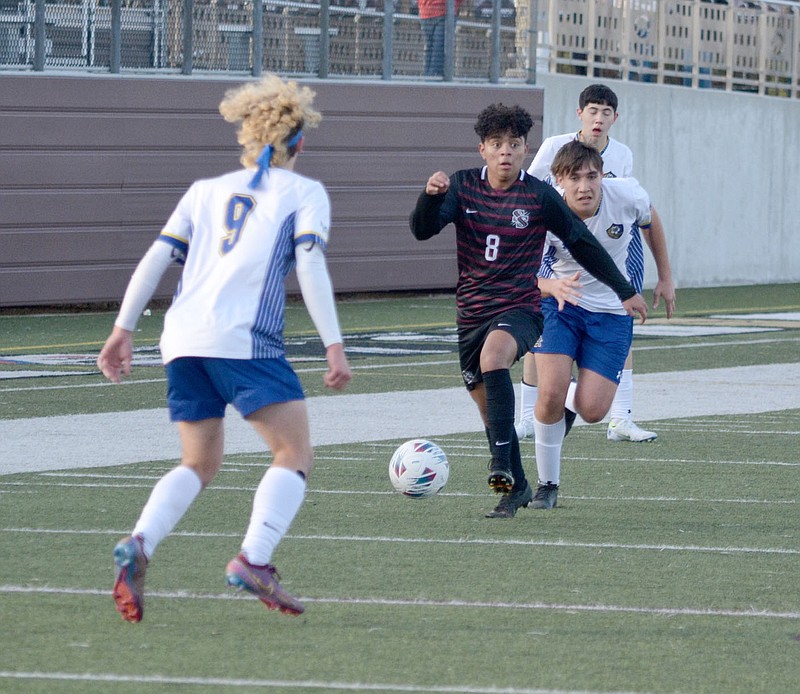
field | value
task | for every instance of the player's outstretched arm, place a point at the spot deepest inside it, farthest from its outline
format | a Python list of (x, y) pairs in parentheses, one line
[(438, 183), (424, 220), (636, 304), (317, 291), (657, 242), (116, 356), (338, 374), (562, 290)]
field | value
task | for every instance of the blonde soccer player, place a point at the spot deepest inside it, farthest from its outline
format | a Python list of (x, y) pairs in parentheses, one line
[(237, 237)]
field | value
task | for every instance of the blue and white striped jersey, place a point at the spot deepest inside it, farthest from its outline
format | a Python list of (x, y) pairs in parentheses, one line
[(239, 244), (624, 209)]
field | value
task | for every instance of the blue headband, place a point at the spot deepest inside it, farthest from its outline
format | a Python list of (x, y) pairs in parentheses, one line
[(265, 159)]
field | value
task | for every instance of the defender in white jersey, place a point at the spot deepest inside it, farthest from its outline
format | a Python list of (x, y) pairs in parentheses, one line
[(623, 209), (617, 157), (237, 236), (583, 323), (243, 243), (597, 111)]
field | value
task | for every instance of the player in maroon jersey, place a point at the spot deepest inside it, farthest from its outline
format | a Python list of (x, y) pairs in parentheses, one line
[(501, 216)]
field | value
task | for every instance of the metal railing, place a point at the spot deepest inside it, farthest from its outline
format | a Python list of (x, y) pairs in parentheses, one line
[(367, 38), (745, 46)]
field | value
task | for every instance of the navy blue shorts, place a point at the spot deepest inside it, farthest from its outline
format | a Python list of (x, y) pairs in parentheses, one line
[(201, 387), (599, 342)]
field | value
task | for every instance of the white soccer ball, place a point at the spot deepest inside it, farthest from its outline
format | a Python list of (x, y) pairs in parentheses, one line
[(419, 468)]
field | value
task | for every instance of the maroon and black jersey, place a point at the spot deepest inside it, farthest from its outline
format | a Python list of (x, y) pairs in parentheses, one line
[(500, 235)]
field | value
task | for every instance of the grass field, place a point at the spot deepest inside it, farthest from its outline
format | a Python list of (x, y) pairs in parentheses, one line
[(667, 567)]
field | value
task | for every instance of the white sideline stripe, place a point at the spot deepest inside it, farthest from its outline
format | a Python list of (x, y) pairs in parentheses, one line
[(135, 381), (421, 602), (353, 492), (118, 438), (285, 684), (443, 541)]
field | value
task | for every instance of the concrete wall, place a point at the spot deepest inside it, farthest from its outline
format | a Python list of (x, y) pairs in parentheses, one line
[(721, 169)]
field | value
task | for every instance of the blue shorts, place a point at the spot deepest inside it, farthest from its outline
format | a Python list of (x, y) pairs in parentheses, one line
[(201, 387), (596, 341)]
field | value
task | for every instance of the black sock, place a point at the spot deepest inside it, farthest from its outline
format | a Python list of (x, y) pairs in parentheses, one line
[(499, 392)]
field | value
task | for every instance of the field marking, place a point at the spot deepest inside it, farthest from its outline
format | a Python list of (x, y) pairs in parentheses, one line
[(368, 492), (422, 602), (441, 541), (162, 379), (285, 684), (72, 441)]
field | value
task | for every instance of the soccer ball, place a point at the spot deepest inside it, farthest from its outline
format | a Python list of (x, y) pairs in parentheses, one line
[(419, 468)]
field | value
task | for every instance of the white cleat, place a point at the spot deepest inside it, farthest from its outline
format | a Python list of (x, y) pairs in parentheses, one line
[(628, 430), (524, 429)]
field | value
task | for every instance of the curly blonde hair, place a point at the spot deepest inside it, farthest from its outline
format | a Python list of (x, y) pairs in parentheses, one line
[(271, 111)]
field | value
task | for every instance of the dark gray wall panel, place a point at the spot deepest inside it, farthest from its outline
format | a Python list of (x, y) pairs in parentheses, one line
[(91, 166)]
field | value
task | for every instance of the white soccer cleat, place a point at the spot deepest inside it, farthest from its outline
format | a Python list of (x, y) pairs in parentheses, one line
[(628, 430), (524, 429)]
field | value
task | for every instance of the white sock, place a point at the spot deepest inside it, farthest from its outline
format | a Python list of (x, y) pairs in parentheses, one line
[(570, 403), (527, 401), (549, 439), (169, 500), (277, 501), (622, 404)]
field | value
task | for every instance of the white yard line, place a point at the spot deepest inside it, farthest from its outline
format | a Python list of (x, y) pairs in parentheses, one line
[(564, 544), (282, 685), (118, 438), (421, 602)]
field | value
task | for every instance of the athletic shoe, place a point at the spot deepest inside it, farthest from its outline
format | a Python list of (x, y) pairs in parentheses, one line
[(261, 581), (500, 479), (569, 420), (628, 430), (546, 496), (130, 564), (524, 429), (509, 503)]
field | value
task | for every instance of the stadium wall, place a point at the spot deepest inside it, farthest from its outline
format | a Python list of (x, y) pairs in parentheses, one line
[(720, 167), (91, 166)]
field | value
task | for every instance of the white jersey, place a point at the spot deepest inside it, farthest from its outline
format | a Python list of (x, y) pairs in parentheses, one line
[(239, 244), (617, 158), (624, 208)]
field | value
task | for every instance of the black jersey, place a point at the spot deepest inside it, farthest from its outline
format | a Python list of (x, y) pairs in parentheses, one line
[(500, 235)]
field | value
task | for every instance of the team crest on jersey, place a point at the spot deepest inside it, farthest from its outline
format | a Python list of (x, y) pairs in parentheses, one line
[(615, 231), (520, 219)]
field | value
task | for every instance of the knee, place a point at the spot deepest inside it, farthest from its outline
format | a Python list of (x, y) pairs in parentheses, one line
[(299, 460), (549, 407), (591, 414), (493, 360), (206, 471)]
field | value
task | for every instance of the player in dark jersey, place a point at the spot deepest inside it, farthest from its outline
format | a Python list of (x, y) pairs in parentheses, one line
[(501, 216)]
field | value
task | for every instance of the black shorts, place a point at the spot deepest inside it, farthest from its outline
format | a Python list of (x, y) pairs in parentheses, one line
[(524, 325)]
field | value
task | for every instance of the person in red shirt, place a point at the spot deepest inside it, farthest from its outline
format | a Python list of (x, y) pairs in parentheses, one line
[(432, 18)]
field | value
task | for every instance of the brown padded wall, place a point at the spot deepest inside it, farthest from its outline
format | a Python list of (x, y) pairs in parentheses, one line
[(91, 166)]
